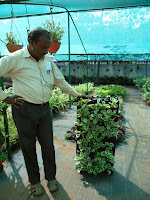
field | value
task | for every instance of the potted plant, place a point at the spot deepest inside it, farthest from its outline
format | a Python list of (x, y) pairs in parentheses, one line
[(56, 32), (146, 98), (13, 42)]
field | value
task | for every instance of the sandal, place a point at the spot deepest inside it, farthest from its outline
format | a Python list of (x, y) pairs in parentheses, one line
[(37, 189), (52, 185)]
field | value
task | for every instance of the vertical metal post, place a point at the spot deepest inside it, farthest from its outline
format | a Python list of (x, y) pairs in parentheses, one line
[(69, 55), (146, 70), (99, 69), (6, 124), (87, 73), (94, 69)]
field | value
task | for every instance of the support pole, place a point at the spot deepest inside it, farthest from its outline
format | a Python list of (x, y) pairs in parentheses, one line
[(87, 74), (69, 55), (94, 69)]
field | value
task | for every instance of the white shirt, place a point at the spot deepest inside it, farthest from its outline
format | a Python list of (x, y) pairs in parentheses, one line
[(33, 80)]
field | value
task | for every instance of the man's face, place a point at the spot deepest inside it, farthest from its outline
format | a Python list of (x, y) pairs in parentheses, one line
[(40, 48)]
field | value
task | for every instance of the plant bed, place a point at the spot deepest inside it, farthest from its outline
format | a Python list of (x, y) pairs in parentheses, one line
[(97, 130)]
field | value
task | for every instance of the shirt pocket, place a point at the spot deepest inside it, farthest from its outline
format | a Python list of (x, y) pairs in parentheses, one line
[(49, 78)]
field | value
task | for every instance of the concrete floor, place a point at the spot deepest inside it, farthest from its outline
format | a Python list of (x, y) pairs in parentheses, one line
[(131, 181)]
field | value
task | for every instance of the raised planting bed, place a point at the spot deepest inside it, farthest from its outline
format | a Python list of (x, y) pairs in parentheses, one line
[(96, 134)]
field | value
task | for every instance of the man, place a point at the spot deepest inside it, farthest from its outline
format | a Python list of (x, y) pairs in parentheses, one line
[(33, 74)]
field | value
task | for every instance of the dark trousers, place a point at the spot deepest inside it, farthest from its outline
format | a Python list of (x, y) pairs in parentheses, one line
[(35, 121)]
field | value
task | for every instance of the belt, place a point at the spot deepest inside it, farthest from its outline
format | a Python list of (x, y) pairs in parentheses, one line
[(38, 105)]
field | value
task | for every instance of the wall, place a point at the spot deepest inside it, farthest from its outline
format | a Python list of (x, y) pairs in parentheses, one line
[(97, 72), (130, 71)]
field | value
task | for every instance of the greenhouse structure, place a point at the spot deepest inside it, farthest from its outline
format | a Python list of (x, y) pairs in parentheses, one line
[(101, 142)]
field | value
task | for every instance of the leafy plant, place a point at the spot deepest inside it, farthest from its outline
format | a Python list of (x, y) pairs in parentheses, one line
[(111, 90), (97, 130), (82, 89), (58, 101), (3, 156), (55, 29), (140, 82), (147, 85), (146, 97), (11, 38), (146, 91)]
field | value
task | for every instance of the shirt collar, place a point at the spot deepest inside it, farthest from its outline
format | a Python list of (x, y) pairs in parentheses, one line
[(26, 53)]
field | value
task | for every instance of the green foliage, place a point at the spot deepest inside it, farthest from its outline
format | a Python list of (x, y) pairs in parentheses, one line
[(146, 91), (111, 90), (55, 29), (3, 156), (140, 82), (10, 37), (147, 85), (96, 128), (82, 89), (13, 134), (58, 101), (146, 97)]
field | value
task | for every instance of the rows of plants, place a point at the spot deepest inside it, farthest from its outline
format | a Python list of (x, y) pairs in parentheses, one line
[(143, 84)]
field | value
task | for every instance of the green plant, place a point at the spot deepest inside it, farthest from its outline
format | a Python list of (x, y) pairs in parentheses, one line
[(58, 101), (13, 136), (146, 97), (96, 131), (11, 38), (147, 85), (55, 29), (82, 89), (140, 82), (111, 90), (146, 91), (82, 70), (3, 156)]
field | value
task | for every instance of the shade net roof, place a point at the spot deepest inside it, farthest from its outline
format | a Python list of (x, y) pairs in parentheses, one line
[(107, 26), (74, 5)]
